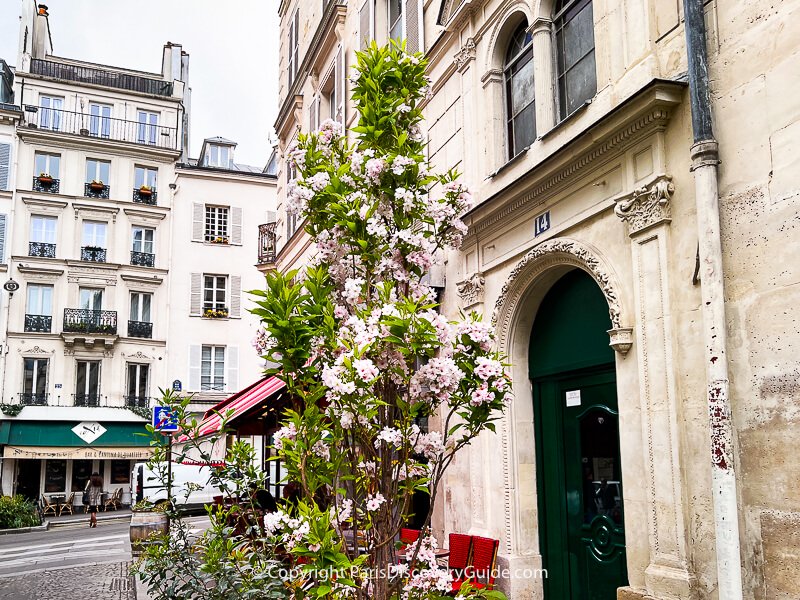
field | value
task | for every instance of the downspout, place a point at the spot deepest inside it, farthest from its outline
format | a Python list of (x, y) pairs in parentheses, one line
[(705, 158)]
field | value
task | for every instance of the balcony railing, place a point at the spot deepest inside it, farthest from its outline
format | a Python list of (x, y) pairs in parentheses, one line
[(38, 323), (92, 190), (93, 254), (140, 329), (207, 386), (83, 320), (267, 243), (97, 126), (43, 184), (91, 399), (137, 401), (143, 259), (144, 197), (94, 76), (33, 399), (41, 249)]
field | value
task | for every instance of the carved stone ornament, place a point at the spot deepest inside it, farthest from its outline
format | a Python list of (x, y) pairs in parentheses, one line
[(138, 355), (552, 253), (465, 54), (621, 339), (36, 350), (647, 206), (471, 290)]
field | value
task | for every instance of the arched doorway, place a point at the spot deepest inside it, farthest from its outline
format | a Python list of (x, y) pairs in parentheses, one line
[(576, 428)]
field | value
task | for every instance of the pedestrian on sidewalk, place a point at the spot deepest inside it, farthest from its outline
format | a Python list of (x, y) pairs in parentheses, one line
[(92, 495)]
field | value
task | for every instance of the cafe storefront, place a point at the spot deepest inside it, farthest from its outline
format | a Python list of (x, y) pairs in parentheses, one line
[(56, 458)]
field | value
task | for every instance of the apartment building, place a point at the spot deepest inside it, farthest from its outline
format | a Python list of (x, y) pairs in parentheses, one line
[(571, 121), (220, 208)]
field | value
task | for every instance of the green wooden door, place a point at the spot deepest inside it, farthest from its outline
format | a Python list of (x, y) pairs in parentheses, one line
[(579, 485)]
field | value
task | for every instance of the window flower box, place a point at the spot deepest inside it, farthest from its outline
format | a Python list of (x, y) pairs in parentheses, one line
[(97, 186), (45, 179), (215, 313), (146, 191), (218, 240)]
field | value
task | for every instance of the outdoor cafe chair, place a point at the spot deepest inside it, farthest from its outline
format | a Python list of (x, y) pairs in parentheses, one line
[(48, 506), (460, 554), (115, 501), (67, 506), (484, 561)]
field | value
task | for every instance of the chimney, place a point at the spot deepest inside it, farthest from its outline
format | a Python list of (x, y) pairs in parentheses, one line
[(40, 43)]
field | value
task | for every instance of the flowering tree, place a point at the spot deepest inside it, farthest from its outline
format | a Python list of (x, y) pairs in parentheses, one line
[(364, 353)]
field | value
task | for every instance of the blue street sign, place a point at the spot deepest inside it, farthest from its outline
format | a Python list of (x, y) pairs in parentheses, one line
[(177, 386), (541, 224), (164, 419)]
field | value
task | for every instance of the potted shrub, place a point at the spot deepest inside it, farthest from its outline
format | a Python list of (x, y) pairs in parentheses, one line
[(97, 186), (147, 520), (45, 179), (146, 191), (219, 240)]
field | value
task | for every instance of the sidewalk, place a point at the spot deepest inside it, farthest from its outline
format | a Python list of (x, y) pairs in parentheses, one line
[(111, 515)]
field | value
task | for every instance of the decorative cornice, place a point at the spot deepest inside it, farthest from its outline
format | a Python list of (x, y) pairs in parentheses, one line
[(54, 205), (646, 206), (41, 271), (35, 350), (471, 290), (150, 282), (465, 55), (145, 214), (91, 210), (548, 254)]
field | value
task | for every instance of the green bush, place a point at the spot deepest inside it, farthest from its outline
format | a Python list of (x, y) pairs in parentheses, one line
[(17, 512)]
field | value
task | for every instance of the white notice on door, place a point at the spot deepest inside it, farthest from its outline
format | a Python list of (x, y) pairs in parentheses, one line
[(574, 398)]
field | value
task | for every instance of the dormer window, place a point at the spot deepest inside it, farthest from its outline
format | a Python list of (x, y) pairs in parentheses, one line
[(218, 156)]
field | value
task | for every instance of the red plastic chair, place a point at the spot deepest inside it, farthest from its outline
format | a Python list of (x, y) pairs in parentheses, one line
[(484, 561), (458, 561), (409, 536)]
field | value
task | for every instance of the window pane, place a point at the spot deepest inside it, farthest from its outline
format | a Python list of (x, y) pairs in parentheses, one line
[(46, 304), (524, 128), (132, 379), (581, 83), (81, 472), (80, 378), (55, 476), (135, 307), (91, 170), (41, 164), (578, 36), (28, 377), (146, 299), (120, 471), (94, 377), (104, 172), (138, 177), (522, 89), (54, 165), (41, 376), (144, 372)]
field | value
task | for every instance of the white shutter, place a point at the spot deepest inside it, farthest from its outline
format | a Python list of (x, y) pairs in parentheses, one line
[(233, 368), (366, 30), (236, 296), (2, 239), (236, 225), (198, 222), (341, 84), (196, 295), (195, 357), (5, 165), (413, 26)]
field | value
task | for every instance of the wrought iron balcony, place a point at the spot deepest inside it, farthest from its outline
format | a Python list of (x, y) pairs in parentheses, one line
[(137, 401), (38, 323), (94, 76), (83, 320), (96, 126), (41, 249), (46, 184), (267, 243), (140, 329), (91, 399), (145, 196), (93, 254), (93, 190), (143, 259), (33, 399)]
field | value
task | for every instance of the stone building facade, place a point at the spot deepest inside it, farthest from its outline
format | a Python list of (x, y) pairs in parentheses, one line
[(572, 123)]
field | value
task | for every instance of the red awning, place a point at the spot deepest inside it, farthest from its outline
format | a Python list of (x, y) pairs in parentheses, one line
[(240, 403)]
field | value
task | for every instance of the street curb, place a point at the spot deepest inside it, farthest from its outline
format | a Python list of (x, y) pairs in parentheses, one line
[(43, 527)]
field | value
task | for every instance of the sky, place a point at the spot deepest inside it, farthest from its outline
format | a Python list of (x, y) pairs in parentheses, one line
[(232, 45)]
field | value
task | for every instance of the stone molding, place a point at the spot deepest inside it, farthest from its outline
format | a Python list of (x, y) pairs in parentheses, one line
[(558, 251), (471, 290), (646, 206)]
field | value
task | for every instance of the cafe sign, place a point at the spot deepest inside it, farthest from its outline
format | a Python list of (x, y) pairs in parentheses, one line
[(88, 431), (87, 453)]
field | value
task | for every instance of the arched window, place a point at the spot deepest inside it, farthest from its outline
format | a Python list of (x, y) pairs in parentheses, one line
[(520, 109), (575, 65)]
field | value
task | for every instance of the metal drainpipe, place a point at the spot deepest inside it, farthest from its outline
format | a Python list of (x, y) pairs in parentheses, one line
[(705, 158)]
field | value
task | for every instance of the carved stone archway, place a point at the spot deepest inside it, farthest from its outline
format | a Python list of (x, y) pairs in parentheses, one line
[(513, 317)]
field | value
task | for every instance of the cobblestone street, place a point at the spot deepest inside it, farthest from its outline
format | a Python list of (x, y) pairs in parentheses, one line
[(108, 581)]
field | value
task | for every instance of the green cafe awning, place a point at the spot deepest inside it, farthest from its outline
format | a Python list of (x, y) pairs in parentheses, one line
[(60, 434)]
